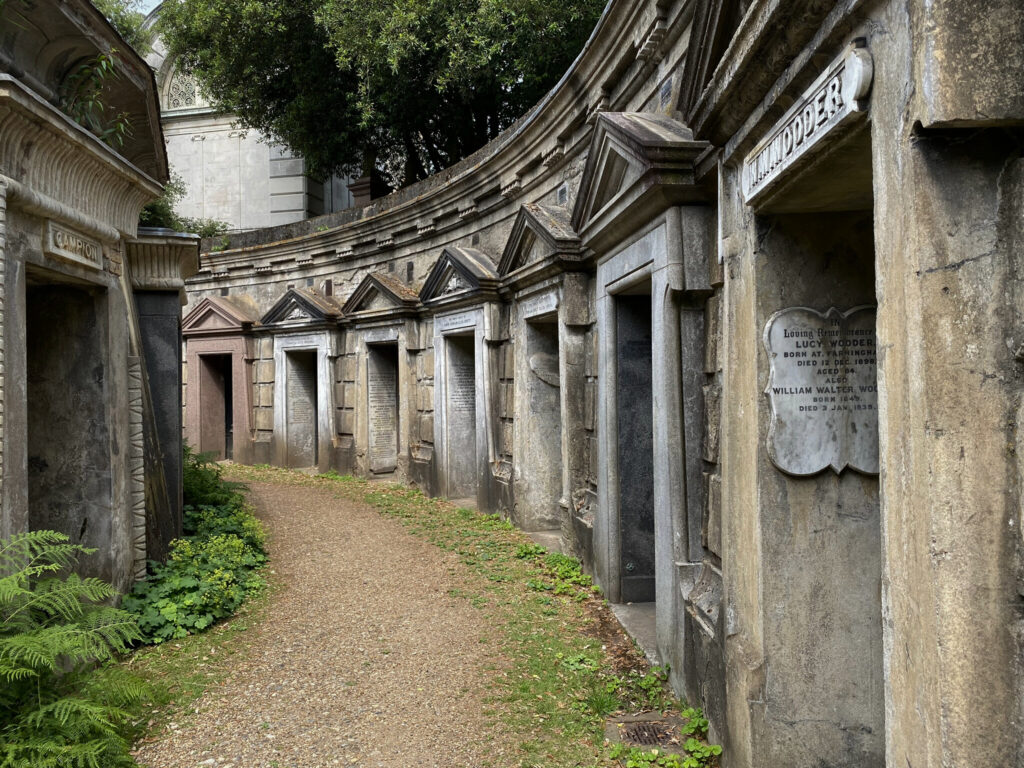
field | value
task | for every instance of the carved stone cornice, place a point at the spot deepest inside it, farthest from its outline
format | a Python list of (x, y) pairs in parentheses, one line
[(161, 260), (53, 157)]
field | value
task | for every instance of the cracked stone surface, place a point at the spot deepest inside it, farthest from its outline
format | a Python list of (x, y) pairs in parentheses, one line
[(363, 659)]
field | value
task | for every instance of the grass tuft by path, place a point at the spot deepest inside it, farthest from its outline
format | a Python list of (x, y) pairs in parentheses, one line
[(569, 664)]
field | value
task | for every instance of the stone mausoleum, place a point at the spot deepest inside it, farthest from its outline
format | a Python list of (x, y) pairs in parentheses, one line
[(736, 315), (90, 305), (231, 174)]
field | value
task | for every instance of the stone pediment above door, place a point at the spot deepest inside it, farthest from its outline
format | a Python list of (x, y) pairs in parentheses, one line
[(218, 316), (540, 233), (460, 273), (380, 293), (639, 165), (302, 306)]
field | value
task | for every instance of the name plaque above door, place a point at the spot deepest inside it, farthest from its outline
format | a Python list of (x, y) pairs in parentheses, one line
[(823, 390), (836, 99)]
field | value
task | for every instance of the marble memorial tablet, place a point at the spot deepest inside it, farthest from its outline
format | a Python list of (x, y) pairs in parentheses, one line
[(823, 390)]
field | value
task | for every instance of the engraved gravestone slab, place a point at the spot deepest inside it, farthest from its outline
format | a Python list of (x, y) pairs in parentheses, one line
[(823, 390), (382, 392)]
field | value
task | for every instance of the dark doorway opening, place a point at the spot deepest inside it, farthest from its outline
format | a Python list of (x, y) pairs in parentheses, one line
[(635, 420), (67, 391), (216, 406), (301, 408)]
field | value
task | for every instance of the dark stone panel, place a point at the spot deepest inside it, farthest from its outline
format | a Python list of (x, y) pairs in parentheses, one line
[(635, 417), (160, 329), (69, 447)]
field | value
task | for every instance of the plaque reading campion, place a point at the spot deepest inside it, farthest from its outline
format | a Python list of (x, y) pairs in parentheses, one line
[(823, 390)]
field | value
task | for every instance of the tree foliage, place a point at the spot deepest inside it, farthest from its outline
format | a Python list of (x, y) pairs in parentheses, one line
[(162, 212), (410, 86), (128, 21)]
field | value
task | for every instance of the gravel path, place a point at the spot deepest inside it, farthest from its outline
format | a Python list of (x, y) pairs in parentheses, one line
[(364, 658)]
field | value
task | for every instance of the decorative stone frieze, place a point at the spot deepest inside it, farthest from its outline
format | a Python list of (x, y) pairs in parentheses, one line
[(95, 182)]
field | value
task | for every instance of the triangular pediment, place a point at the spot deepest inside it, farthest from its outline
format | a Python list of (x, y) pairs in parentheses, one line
[(460, 272), (379, 292), (302, 306), (714, 24), (639, 164), (217, 316), (539, 232)]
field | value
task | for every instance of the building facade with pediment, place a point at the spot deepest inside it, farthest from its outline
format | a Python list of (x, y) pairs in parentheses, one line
[(735, 316), (90, 304)]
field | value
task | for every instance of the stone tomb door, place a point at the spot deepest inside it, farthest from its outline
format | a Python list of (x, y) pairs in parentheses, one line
[(216, 406), (382, 406), (301, 408), (460, 417), (635, 420), (68, 388), (541, 454)]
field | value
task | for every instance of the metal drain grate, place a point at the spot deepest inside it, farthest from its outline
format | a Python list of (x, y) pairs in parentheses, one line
[(646, 734)]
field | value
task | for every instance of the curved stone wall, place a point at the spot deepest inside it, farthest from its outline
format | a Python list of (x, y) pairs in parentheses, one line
[(579, 327)]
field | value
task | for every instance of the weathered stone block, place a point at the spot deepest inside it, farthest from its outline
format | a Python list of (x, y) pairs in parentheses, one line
[(508, 402), (716, 275), (427, 360), (508, 351), (712, 328), (265, 397), (266, 348), (265, 371), (506, 437), (265, 418), (575, 299), (712, 420), (347, 368), (347, 422), (425, 398), (348, 394), (712, 527), (590, 355), (589, 404), (426, 427)]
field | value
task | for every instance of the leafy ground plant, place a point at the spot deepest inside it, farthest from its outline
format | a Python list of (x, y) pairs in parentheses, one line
[(212, 570), (54, 630)]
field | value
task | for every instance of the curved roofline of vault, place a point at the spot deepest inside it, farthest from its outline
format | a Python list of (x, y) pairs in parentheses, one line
[(591, 68)]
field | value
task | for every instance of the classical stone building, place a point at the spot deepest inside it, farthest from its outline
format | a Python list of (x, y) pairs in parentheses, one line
[(90, 306), (232, 174), (736, 315)]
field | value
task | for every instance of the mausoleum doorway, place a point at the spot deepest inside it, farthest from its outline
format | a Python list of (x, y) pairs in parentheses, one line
[(634, 409), (462, 472), (301, 408), (68, 388), (216, 403), (382, 406), (818, 489), (539, 428)]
